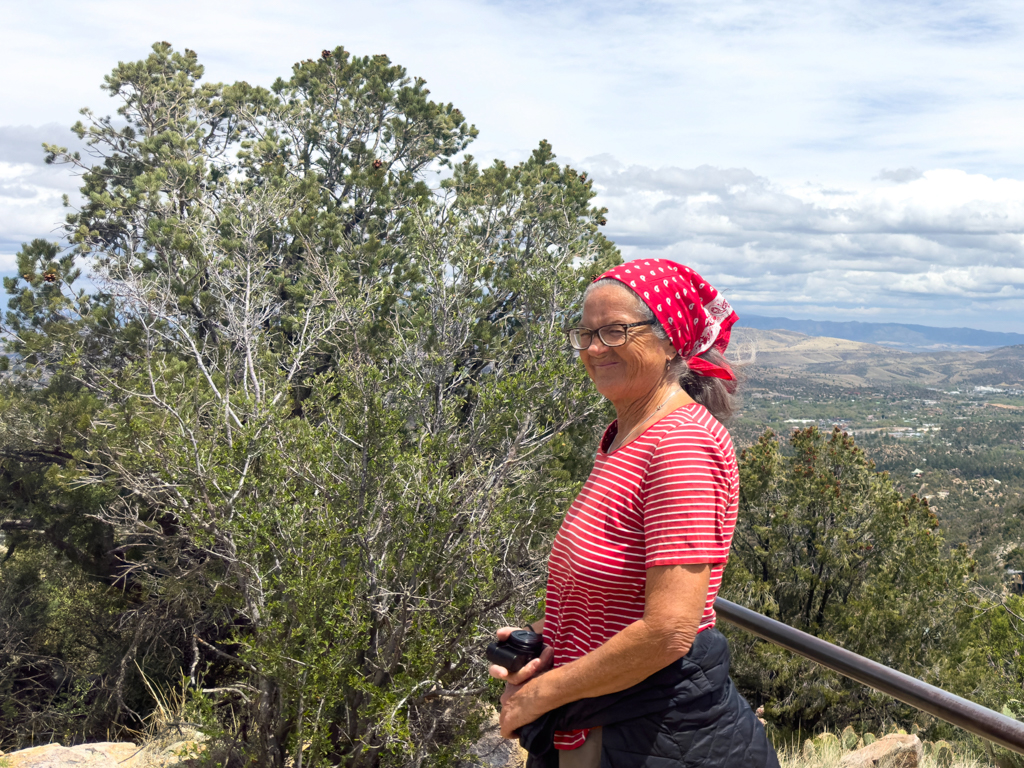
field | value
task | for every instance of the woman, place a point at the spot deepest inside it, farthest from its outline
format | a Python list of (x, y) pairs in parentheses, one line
[(633, 672)]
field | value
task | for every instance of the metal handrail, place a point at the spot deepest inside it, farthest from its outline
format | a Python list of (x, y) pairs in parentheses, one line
[(962, 713)]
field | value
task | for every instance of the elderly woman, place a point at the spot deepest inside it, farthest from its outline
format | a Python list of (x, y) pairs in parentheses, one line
[(633, 671)]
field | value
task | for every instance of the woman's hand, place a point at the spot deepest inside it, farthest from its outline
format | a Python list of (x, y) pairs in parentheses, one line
[(518, 708), (518, 704), (531, 669), (673, 606)]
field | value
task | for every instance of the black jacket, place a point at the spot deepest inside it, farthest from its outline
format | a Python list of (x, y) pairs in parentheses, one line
[(687, 714)]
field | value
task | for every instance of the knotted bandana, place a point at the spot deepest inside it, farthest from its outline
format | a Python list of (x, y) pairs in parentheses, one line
[(695, 315)]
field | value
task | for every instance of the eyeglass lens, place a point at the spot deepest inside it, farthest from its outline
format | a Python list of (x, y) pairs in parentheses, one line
[(610, 335)]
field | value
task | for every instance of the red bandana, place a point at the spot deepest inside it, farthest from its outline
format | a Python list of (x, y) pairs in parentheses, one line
[(695, 315)]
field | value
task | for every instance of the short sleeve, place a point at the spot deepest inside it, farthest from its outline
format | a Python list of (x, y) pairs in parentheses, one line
[(686, 497)]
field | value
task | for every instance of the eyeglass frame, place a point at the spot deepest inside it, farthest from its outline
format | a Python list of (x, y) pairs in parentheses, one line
[(597, 332)]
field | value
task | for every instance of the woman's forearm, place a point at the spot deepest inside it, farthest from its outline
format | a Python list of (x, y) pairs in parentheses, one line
[(632, 655), (673, 608), (674, 604)]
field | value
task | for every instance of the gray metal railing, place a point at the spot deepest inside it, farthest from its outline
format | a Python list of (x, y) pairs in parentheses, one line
[(962, 713)]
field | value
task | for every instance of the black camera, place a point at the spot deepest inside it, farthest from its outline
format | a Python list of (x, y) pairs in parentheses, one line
[(513, 654)]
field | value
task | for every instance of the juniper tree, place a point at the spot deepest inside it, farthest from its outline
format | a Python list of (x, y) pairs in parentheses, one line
[(826, 544), (310, 436)]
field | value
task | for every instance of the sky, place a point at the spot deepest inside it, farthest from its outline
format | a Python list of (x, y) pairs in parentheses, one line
[(841, 160)]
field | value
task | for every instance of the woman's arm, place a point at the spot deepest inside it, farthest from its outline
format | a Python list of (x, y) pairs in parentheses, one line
[(674, 604)]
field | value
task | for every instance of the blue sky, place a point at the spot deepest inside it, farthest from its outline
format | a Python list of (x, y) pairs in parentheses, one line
[(832, 160)]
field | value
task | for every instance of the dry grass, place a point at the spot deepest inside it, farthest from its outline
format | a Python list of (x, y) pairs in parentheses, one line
[(829, 754)]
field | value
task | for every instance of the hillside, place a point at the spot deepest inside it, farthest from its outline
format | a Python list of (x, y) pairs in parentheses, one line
[(947, 426), (920, 338), (842, 362)]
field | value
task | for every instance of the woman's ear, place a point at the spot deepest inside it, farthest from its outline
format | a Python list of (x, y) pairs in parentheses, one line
[(671, 352)]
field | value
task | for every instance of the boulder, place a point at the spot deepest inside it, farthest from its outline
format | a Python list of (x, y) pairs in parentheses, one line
[(106, 755), (897, 750), (102, 755)]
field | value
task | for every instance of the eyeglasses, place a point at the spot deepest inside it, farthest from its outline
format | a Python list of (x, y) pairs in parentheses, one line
[(613, 335)]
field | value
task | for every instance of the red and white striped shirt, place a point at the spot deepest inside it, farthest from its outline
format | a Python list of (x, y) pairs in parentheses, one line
[(670, 497)]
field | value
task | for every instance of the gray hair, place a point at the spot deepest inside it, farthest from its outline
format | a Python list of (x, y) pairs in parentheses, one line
[(719, 396)]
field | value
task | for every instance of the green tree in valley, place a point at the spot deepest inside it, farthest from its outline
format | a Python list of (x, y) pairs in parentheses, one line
[(825, 544)]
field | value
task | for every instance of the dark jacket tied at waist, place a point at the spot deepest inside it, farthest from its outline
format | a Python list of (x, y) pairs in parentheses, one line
[(687, 714)]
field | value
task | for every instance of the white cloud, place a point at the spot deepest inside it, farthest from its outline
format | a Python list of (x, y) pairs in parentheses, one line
[(30, 205), (809, 89), (31, 192), (785, 145), (900, 175), (946, 244)]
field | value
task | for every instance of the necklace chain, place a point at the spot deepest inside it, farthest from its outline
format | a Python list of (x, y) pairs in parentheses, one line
[(653, 414)]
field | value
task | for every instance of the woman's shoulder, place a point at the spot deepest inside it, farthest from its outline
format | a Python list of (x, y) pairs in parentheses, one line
[(693, 415), (692, 422)]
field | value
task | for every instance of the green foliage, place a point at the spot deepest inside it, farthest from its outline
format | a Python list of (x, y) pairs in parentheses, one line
[(827, 545), (849, 738), (1014, 559), (307, 444)]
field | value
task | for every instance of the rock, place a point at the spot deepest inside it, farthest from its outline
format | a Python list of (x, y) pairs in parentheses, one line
[(106, 755), (177, 753), (492, 751), (103, 755), (897, 750)]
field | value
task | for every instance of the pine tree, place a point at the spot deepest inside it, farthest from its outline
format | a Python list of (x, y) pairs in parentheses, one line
[(311, 436)]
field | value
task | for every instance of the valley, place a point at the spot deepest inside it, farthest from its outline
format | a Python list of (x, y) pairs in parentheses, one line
[(947, 426)]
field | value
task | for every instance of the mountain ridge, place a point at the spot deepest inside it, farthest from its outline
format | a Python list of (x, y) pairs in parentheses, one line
[(894, 335), (828, 360)]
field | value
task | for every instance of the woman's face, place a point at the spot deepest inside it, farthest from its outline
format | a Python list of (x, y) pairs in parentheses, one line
[(635, 369)]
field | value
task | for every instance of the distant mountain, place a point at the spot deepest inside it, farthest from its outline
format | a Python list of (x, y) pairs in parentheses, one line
[(910, 337), (788, 354)]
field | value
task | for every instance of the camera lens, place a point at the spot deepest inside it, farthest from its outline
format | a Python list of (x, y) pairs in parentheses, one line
[(525, 641)]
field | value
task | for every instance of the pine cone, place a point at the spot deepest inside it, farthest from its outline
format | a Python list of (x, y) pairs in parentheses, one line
[(325, 54), (377, 164)]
